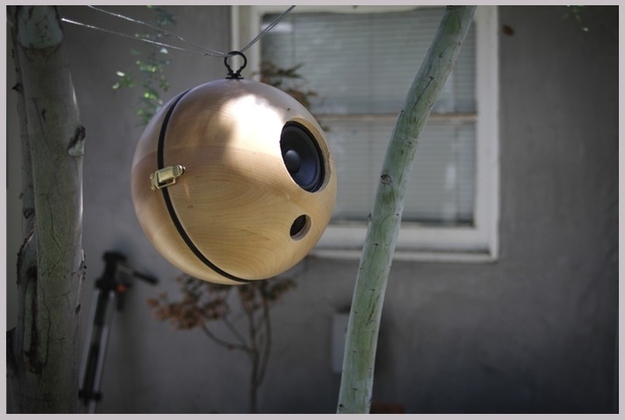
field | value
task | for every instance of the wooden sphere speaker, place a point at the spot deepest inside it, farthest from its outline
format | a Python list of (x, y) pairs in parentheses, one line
[(233, 181)]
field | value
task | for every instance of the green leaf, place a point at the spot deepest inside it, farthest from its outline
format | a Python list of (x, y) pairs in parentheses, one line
[(150, 95), (150, 65), (146, 67), (125, 81)]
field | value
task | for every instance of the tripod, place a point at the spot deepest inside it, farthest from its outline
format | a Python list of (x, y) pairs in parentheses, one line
[(109, 288)]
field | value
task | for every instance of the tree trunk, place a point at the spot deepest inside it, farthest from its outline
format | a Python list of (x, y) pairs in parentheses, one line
[(364, 320), (42, 351)]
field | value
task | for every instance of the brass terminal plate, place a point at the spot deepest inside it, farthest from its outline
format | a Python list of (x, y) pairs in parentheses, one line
[(166, 176)]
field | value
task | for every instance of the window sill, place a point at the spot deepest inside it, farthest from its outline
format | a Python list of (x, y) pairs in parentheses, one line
[(407, 255), (415, 243)]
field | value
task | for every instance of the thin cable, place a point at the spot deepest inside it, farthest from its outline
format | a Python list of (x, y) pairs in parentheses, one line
[(205, 51), (149, 41), (209, 51), (267, 29)]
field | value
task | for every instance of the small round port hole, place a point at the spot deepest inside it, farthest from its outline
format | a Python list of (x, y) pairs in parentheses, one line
[(300, 227)]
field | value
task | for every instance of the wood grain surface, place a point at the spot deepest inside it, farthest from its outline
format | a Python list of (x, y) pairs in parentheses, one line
[(236, 199)]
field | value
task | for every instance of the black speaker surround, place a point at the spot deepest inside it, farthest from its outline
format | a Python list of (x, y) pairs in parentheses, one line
[(302, 156)]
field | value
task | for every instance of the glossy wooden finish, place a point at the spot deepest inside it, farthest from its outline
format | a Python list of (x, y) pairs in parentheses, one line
[(236, 200)]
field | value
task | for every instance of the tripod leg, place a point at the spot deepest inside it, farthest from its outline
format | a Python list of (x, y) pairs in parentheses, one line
[(95, 352), (88, 339), (97, 380)]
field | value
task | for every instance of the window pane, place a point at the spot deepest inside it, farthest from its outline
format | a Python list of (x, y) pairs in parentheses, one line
[(442, 186), (363, 64)]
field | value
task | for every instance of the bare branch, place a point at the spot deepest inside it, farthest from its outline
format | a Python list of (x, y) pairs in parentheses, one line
[(235, 332), (264, 361), (228, 345), (377, 255)]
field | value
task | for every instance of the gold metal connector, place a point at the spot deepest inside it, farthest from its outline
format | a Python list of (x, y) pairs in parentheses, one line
[(166, 176)]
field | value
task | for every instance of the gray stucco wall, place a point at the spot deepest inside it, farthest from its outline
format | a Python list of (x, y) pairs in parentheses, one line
[(533, 332)]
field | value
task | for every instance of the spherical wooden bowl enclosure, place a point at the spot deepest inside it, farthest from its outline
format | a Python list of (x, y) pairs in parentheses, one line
[(233, 181)]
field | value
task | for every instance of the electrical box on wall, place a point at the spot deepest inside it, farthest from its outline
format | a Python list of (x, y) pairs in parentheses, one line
[(339, 331)]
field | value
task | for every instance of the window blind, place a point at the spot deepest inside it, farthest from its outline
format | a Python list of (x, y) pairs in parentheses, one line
[(361, 66)]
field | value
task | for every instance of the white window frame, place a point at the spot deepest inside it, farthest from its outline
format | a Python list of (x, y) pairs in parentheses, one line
[(477, 243)]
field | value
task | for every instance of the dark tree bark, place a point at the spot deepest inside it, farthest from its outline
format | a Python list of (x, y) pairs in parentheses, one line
[(42, 351)]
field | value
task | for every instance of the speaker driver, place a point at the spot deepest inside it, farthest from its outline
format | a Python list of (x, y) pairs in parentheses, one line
[(302, 156)]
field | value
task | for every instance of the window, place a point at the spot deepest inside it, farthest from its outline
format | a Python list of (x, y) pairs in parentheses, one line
[(361, 61)]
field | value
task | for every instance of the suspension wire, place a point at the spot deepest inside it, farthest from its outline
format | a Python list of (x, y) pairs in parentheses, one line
[(205, 51), (209, 51), (267, 29), (149, 41)]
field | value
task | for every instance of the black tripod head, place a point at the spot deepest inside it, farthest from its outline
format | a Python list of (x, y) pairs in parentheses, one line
[(115, 270)]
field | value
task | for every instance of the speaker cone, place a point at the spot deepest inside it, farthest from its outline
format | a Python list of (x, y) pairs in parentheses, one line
[(302, 156)]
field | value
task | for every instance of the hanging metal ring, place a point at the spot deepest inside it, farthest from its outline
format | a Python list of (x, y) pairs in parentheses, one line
[(232, 74)]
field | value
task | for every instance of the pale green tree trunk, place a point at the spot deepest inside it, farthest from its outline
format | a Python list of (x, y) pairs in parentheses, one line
[(377, 255), (42, 351)]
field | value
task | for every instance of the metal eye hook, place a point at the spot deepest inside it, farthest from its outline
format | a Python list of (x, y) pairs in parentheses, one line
[(232, 74)]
